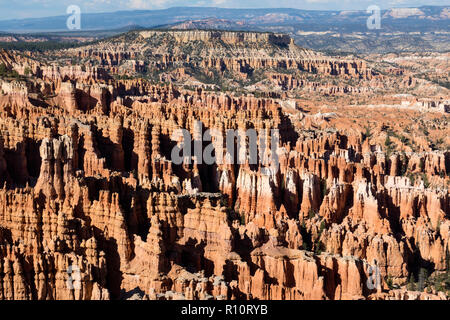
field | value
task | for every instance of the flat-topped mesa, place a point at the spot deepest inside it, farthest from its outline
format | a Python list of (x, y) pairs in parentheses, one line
[(228, 37)]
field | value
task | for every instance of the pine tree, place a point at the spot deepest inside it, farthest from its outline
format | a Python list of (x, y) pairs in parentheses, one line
[(423, 274), (411, 283), (3, 69), (447, 261)]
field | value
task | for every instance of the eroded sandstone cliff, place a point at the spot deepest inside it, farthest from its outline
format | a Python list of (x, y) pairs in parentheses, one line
[(92, 205)]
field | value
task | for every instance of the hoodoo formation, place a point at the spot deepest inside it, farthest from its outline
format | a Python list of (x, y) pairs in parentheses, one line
[(88, 184)]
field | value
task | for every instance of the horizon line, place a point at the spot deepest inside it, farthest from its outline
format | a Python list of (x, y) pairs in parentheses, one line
[(224, 8)]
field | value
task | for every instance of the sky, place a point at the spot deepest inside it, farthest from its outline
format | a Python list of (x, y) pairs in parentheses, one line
[(18, 9)]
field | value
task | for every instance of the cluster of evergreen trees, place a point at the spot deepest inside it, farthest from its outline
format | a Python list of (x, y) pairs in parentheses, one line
[(6, 73), (39, 46), (438, 281)]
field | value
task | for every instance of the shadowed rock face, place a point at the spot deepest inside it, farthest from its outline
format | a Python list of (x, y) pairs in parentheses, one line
[(93, 207)]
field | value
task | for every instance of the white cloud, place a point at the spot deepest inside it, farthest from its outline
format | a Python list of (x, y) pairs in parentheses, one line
[(147, 4)]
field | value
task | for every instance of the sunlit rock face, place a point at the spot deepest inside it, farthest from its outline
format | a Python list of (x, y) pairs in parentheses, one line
[(93, 206)]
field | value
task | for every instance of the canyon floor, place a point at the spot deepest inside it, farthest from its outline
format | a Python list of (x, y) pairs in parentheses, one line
[(93, 206)]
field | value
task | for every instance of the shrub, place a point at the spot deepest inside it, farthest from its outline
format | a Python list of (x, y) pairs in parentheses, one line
[(389, 283), (27, 71), (323, 186), (242, 219), (312, 213)]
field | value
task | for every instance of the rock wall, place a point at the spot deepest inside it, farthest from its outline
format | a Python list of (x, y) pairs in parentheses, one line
[(92, 205)]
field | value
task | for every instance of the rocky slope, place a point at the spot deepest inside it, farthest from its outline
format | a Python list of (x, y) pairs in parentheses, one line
[(92, 205), (219, 58)]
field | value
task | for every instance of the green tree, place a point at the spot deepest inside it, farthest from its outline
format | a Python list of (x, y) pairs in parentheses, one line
[(438, 227), (426, 182), (447, 261), (389, 146), (312, 213), (411, 286), (3, 69), (367, 134), (390, 283), (423, 276), (27, 71), (242, 219), (323, 185), (405, 161)]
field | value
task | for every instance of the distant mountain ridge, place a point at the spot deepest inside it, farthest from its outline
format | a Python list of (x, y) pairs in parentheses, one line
[(401, 19)]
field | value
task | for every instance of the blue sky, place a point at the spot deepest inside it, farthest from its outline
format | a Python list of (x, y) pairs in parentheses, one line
[(16, 9)]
